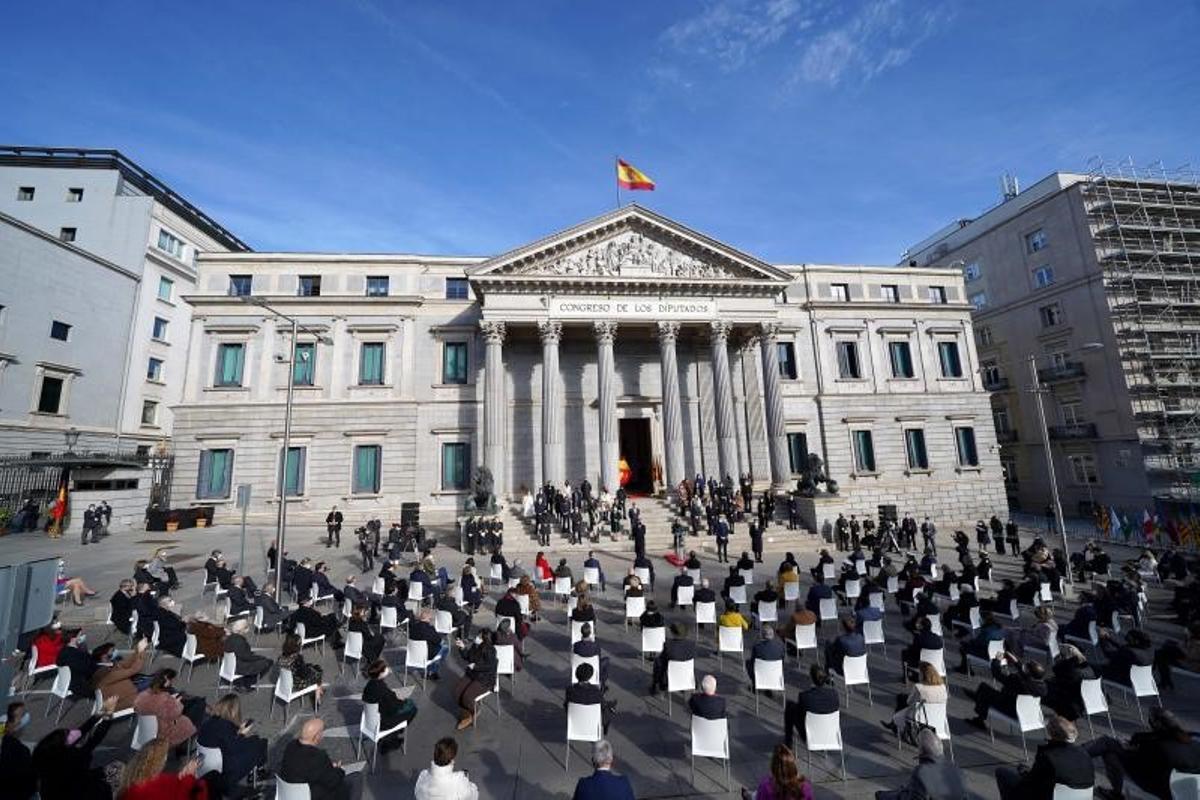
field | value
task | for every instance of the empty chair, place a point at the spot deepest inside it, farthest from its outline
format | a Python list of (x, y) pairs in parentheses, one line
[(729, 640), (681, 677), (189, 655), (854, 673), (584, 724), (506, 663), (710, 739), (823, 732), (291, 791), (1141, 684), (767, 612), (706, 614), (1094, 702), (227, 673), (653, 640), (768, 677), (1029, 718), (286, 691), (634, 608), (684, 595), (144, 729), (60, 689), (416, 656), (805, 639), (594, 661)]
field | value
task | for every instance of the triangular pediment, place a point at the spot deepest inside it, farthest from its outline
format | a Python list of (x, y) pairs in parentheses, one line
[(630, 244)]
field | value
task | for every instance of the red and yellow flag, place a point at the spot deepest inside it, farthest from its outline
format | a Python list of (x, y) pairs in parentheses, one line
[(631, 178)]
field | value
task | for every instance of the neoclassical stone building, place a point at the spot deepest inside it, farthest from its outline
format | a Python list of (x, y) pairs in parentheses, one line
[(628, 337)]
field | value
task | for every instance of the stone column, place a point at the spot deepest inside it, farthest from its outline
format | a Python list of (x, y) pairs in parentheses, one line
[(607, 405), (552, 404), (672, 410), (723, 393), (494, 406), (781, 471), (741, 431)]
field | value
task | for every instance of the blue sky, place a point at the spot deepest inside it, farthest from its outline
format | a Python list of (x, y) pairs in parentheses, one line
[(797, 130)]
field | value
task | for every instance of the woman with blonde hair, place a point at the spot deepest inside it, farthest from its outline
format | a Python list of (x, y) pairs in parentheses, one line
[(225, 730), (143, 777), (929, 688)]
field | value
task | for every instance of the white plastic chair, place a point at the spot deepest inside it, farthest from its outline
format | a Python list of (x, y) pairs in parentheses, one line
[(1029, 718), (493, 692), (379, 587), (767, 612), (1064, 792), (416, 656), (695, 573), (737, 595), (562, 589), (1049, 652), (994, 649), (873, 633), (653, 640), (935, 624), (1094, 702), (443, 622), (33, 670), (285, 691), (643, 575), (935, 657), (710, 739), (584, 724), (506, 663), (1141, 680), (747, 576), (211, 760), (291, 791), (823, 732), (681, 677), (60, 689), (577, 630), (878, 600), (352, 649), (853, 590), (854, 673), (576, 660), (828, 608), (416, 593), (936, 716), (791, 591), (974, 622), (144, 729), (768, 677), (1092, 640), (805, 638), (829, 571), (189, 655), (1184, 786), (685, 595), (730, 639), (591, 575), (706, 614), (389, 619), (892, 585), (634, 608), (306, 640), (227, 673), (523, 604), (98, 707), (496, 573)]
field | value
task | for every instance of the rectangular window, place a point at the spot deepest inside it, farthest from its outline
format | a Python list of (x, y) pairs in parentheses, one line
[(304, 366), (864, 451), (840, 292), (971, 271), (964, 441), (455, 465), (1008, 465), (948, 356), (847, 356), (75, 195), (457, 289), (992, 374), (239, 285), (901, 357), (979, 300), (1043, 276), (1051, 315), (367, 460), (787, 361), (983, 335), (1083, 469), (230, 360), (914, 448), (1002, 421), (370, 365), (154, 370), (1071, 412), (454, 362), (160, 329), (890, 293), (293, 470), (166, 287), (50, 395), (216, 474), (25, 194), (1035, 241), (937, 294), (60, 331), (149, 412), (797, 452), (172, 245), (66, 234), (378, 286), (309, 286)]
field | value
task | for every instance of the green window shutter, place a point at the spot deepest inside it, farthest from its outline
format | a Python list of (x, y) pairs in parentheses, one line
[(366, 469)]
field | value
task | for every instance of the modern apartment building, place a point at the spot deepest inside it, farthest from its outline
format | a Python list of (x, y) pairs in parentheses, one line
[(100, 202), (1096, 277)]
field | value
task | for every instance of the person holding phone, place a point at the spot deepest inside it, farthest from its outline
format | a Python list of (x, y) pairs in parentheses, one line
[(479, 678), (241, 750)]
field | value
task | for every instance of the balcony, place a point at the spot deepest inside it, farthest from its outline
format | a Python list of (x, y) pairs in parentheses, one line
[(1007, 437), (1068, 371), (1080, 430)]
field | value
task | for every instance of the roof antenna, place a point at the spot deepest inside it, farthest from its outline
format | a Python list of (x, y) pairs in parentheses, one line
[(1009, 187)]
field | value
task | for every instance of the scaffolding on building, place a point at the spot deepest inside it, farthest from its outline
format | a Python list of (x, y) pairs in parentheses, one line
[(1145, 224)]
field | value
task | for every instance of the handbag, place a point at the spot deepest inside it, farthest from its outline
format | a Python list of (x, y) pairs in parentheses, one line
[(913, 727)]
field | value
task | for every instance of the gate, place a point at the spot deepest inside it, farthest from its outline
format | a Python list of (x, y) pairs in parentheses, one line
[(162, 472)]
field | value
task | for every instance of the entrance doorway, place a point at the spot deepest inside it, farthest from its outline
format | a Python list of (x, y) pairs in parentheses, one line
[(634, 443)]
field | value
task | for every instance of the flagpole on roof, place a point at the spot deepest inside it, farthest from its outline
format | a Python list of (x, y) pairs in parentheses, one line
[(617, 173)]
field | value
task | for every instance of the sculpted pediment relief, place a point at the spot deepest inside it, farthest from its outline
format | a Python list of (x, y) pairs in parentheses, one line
[(629, 254)]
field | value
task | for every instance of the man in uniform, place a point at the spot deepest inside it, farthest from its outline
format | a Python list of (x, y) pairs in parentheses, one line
[(333, 525)]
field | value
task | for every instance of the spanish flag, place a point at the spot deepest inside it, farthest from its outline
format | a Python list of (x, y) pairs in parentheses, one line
[(631, 178)]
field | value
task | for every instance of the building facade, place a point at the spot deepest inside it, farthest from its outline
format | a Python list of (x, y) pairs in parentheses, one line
[(628, 337), (1096, 277), (101, 202)]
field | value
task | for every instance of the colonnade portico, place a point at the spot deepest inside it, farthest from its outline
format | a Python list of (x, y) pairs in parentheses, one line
[(552, 446)]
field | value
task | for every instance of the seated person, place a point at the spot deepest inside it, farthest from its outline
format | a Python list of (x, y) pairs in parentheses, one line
[(372, 642), (315, 623), (732, 618), (121, 606), (681, 580), (651, 618), (818, 572), (1135, 652), (929, 687), (1002, 602), (704, 593), (767, 648), (421, 629), (1150, 757), (989, 631), (816, 594), (820, 698), (585, 693), (679, 647), (241, 751), (1015, 677), (393, 709), (641, 562), (735, 579), (706, 703), (508, 606), (850, 643), (172, 631), (1070, 670), (923, 639), (273, 613), (587, 647), (1058, 761), (250, 665), (239, 601), (305, 762)]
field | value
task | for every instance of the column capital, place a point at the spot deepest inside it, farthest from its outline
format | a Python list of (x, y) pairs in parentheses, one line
[(668, 332), (493, 331), (605, 331), (550, 331), (720, 330), (769, 331)]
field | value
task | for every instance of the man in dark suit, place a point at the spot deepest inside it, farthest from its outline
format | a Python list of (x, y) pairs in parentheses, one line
[(587, 647), (850, 643), (679, 647), (704, 593), (305, 762), (591, 562), (239, 601), (816, 594), (1151, 756), (682, 579), (603, 784), (210, 566), (706, 703), (822, 698), (585, 693), (1059, 760), (121, 606), (83, 667), (250, 665), (333, 526), (273, 613), (315, 623), (768, 648), (302, 579), (1015, 678), (923, 639)]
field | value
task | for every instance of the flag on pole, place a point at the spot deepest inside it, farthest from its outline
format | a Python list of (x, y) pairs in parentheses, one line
[(1148, 526), (1115, 522), (631, 178)]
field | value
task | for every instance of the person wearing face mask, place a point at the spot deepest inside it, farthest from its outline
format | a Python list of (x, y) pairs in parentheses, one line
[(479, 677), (16, 762), (393, 709), (83, 666)]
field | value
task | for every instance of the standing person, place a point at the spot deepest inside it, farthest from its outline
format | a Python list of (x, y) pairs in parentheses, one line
[(722, 533), (784, 782), (366, 549), (603, 784), (756, 541), (928, 534), (440, 781), (1012, 533), (105, 516), (89, 526), (333, 526)]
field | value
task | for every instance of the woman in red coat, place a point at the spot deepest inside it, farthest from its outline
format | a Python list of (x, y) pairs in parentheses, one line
[(143, 777), (48, 643), (542, 566)]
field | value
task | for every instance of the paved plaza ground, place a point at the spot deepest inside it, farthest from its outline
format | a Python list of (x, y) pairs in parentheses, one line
[(519, 754)]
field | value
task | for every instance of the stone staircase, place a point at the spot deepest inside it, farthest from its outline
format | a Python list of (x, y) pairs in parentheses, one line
[(520, 537)]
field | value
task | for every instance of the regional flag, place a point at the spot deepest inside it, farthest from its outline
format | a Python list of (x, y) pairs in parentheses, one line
[(631, 178)]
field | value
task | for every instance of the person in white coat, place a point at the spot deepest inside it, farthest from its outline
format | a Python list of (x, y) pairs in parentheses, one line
[(441, 781)]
